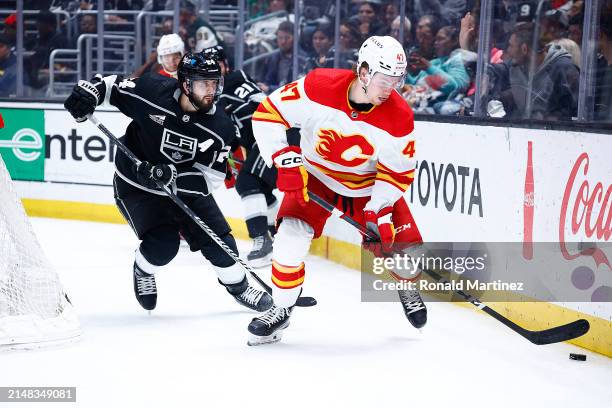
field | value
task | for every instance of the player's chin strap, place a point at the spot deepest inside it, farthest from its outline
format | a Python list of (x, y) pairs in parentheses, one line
[(553, 335), (364, 85), (190, 95), (301, 301)]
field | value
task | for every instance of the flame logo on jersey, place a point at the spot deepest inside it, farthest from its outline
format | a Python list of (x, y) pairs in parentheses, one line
[(345, 150)]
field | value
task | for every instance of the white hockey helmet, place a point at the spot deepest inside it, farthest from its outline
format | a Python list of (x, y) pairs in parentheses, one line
[(170, 44), (382, 54)]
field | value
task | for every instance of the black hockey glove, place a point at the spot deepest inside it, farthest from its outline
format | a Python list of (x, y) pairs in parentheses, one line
[(83, 100), (147, 174)]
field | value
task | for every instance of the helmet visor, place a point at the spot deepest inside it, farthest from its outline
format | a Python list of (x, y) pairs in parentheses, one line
[(205, 87), (387, 82), (170, 62)]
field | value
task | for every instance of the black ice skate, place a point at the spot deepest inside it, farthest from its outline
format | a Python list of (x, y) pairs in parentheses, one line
[(268, 328), (414, 308), (248, 296), (261, 254), (144, 288)]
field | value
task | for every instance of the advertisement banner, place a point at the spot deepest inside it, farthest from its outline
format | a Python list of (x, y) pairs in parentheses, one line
[(22, 143), (79, 152)]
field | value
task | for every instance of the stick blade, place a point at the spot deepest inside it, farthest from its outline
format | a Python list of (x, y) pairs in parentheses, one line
[(305, 301), (559, 334)]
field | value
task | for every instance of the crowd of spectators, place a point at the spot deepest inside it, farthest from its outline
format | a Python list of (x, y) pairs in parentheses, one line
[(532, 72)]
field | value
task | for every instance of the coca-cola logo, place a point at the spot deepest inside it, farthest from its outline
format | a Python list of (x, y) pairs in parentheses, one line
[(590, 213)]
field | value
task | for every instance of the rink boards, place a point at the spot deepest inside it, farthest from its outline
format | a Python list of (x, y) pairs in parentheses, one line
[(472, 184)]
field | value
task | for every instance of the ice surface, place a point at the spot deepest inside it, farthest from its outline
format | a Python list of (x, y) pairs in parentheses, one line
[(341, 353)]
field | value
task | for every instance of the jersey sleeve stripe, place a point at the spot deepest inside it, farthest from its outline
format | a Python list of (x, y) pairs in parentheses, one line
[(401, 181), (267, 112)]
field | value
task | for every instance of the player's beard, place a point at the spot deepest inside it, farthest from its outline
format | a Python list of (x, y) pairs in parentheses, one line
[(203, 103)]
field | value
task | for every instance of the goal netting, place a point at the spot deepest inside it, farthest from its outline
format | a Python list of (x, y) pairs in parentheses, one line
[(34, 309)]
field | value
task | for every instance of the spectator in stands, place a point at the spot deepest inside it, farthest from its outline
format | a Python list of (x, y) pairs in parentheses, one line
[(445, 75), (572, 48), (124, 5), (554, 26), (167, 27), (390, 11), (468, 34), (350, 37), (448, 11), (88, 24), (117, 4), (8, 68), (10, 30), (349, 43), (574, 30), (368, 18), (395, 31), (322, 41), (47, 40), (554, 89), (426, 31), (603, 89), (468, 37), (199, 32), (280, 65), (280, 5)]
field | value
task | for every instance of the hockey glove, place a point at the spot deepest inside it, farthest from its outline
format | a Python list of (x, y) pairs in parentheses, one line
[(82, 101), (230, 176), (292, 176), (382, 225), (148, 175), (234, 163)]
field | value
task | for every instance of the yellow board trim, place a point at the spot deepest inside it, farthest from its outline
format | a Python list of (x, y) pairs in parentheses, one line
[(598, 339), (70, 210)]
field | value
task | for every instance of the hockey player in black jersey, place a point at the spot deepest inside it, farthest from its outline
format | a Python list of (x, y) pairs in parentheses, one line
[(183, 141), (254, 181)]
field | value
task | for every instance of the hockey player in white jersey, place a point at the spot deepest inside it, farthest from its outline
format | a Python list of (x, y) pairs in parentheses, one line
[(355, 151)]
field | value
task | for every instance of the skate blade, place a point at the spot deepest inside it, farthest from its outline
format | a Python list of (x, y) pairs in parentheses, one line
[(261, 340)]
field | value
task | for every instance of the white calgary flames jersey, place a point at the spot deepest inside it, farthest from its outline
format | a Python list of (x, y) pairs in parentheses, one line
[(355, 154)]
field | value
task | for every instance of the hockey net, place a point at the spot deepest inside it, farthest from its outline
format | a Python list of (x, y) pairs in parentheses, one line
[(34, 309)]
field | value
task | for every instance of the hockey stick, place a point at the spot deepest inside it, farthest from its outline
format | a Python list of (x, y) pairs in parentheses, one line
[(301, 301), (548, 336)]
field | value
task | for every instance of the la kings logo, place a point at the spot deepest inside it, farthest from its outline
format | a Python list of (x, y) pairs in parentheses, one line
[(178, 148)]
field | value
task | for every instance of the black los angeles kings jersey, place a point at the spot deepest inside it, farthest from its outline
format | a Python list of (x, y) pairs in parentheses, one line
[(240, 98), (197, 144)]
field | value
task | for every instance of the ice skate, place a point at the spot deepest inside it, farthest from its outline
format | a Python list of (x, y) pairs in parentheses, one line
[(261, 254), (145, 288), (414, 308), (248, 296), (268, 328)]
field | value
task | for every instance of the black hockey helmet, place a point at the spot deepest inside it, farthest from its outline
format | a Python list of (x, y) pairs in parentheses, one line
[(218, 54), (197, 66)]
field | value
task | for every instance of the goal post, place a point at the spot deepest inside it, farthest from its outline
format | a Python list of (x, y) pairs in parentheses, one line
[(34, 309)]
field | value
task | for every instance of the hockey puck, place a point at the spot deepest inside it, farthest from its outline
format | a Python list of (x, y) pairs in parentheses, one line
[(579, 357)]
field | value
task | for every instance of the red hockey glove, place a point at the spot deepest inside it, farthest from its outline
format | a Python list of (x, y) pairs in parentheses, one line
[(382, 225), (292, 176)]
